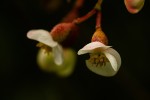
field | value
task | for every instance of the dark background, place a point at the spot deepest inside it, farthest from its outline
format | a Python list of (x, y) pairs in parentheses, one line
[(22, 79)]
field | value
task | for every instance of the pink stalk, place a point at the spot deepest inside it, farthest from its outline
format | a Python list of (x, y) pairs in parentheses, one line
[(85, 17), (98, 19)]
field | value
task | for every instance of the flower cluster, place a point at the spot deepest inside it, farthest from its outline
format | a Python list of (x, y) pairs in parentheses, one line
[(53, 57)]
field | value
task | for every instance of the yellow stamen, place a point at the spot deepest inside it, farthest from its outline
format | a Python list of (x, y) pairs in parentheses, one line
[(98, 59), (45, 47)]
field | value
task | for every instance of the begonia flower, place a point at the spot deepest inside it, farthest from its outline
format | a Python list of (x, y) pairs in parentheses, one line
[(104, 60), (47, 43), (134, 6)]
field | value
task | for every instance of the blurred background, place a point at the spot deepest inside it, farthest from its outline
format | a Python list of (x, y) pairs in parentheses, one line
[(22, 79)]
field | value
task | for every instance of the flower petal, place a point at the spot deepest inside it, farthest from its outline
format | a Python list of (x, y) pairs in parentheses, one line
[(105, 70), (58, 54), (112, 61), (116, 55), (91, 47), (42, 36)]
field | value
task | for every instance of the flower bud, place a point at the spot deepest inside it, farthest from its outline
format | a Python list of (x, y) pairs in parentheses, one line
[(61, 31), (100, 36), (134, 6)]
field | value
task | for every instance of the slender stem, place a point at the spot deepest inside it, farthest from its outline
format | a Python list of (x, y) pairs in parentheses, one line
[(96, 8), (99, 14), (85, 17), (98, 19)]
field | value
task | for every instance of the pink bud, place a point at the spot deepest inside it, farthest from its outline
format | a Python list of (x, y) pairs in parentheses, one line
[(61, 31), (134, 6)]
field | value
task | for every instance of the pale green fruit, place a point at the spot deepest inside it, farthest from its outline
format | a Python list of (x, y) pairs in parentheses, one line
[(46, 62)]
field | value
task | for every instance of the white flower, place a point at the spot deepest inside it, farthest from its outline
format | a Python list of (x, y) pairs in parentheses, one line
[(103, 60), (47, 41)]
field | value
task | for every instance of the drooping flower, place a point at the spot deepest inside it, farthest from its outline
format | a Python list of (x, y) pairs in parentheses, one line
[(46, 63), (49, 40), (104, 60), (134, 6), (47, 43)]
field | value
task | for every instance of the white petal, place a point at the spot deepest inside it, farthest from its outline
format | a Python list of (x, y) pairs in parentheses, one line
[(91, 47), (106, 70), (115, 54), (42, 36), (112, 61), (58, 54)]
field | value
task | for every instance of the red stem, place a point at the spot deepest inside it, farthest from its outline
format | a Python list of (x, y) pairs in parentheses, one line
[(98, 19), (85, 17)]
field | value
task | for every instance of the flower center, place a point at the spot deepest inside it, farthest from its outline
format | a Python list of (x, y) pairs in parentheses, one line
[(98, 59), (45, 47)]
